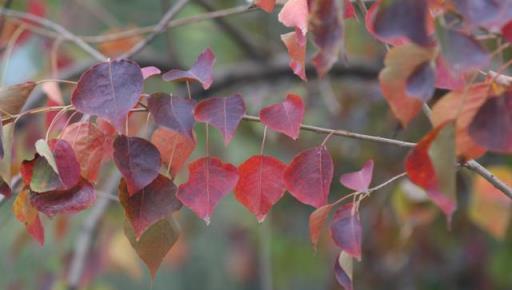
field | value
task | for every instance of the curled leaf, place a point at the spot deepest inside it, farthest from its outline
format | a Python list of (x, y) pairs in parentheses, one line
[(295, 43), (201, 71)]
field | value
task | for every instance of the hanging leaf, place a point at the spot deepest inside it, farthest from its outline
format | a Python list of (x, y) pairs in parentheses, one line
[(150, 71), (209, 181), (201, 71), (266, 5), (285, 117), (400, 64), (326, 24), (316, 222), (155, 243), (309, 175), (28, 215), (88, 143), (174, 148), (491, 126), (295, 43), (343, 270), (260, 184), (222, 113), (13, 98), (109, 90), (346, 230), (359, 180), (138, 161), (506, 31), (432, 166), (68, 167), (173, 112), (295, 14), (467, 102), (392, 21), (70, 201), (149, 205)]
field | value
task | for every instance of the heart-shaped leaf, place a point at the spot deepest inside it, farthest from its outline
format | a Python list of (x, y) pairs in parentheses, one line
[(138, 161), (285, 117), (109, 90), (201, 71), (209, 181), (150, 205), (261, 184), (346, 229), (222, 113), (173, 112), (359, 180), (309, 175)]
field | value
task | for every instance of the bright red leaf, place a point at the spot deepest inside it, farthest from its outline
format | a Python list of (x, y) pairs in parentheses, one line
[(345, 229), (309, 175), (109, 90), (260, 184), (295, 14), (173, 112), (507, 32), (359, 180), (138, 161), (295, 43), (266, 5), (70, 201), (28, 215), (174, 148), (285, 117), (201, 71), (88, 143), (209, 181), (316, 222), (149, 205), (223, 113)]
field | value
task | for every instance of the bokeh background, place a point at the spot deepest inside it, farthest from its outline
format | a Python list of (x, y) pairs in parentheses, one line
[(406, 241)]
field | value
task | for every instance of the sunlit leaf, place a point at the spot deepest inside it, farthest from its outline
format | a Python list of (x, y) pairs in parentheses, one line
[(294, 14)]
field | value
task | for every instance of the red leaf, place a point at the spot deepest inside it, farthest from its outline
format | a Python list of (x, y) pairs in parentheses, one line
[(266, 5), (395, 21), (431, 165), (88, 143), (67, 164), (348, 10), (492, 125), (445, 78), (149, 205), (359, 180), (285, 117), (174, 148), (201, 71), (70, 201), (28, 215), (5, 189), (295, 14), (261, 184), (506, 31), (173, 112), (327, 27), (343, 271), (295, 43), (222, 113), (209, 181), (316, 222), (309, 175), (150, 71), (346, 229), (109, 90), (138, 161)]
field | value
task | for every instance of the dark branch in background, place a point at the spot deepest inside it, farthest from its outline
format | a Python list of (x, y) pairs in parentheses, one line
[(238, 36)]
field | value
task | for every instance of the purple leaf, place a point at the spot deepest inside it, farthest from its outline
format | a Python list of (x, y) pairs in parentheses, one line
[(343, 271), (346, 229), (421, 83), (201, 71), (150, 71), (359, 180), (173, 112), (109, 90)]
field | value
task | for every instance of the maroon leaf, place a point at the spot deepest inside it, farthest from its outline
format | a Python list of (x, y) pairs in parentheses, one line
[(346, 229), (150, 205), (209, 181), (173, 112), (295, 14), (70, 201), (201, 71), (359, 180), (309, 175), (68, 167), (138, 161), (174, 148), (295, 43), (150, 71), (285, 117), (261, 184), (5, 189), (222, 113), (506, 31), (492, 125), (109, 90), (421, 83)]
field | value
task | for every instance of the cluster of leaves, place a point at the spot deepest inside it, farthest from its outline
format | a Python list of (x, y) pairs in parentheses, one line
[(433, 44)]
